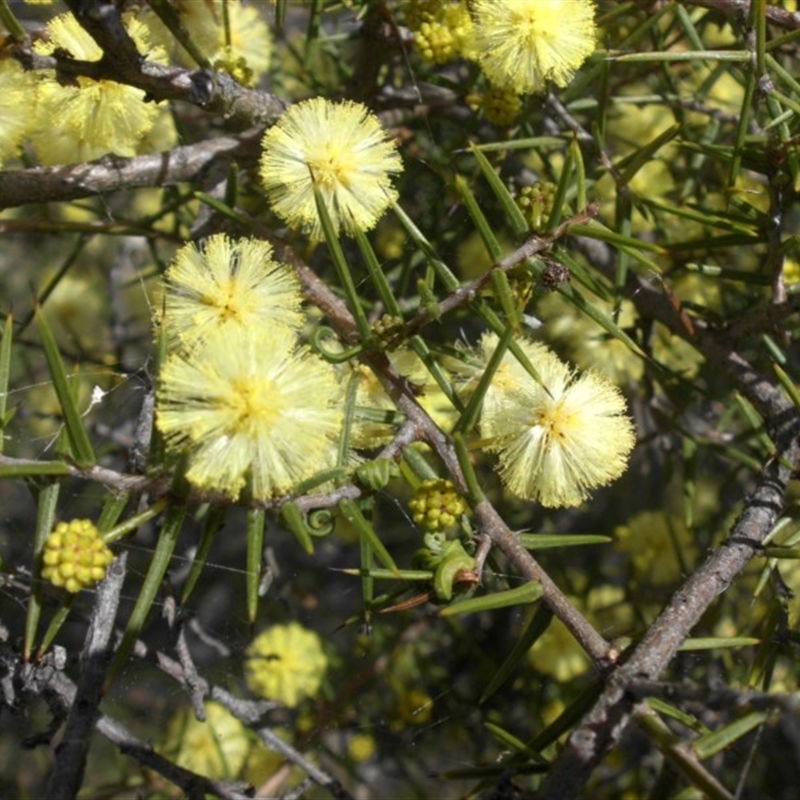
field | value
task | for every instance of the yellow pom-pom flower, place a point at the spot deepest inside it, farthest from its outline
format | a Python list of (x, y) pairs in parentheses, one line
[(558, 439), (75, 556), (341, 149), (522, 44), (88, 119), (227, 284), (250, 406), (286, 663)]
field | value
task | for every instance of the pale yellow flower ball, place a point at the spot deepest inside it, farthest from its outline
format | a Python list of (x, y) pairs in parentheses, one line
[(522, 44), (339, 149), (216, 748), (286, 663)]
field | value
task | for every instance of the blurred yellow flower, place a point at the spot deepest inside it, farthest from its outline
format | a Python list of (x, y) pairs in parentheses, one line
[(216, 748), (87, 119), (341, 149), (16, 88), (414, 707), (245, 55), (286, 663), (251, 408), (661, 550), (361, 747), (522, 44), (227, 284), (369, 430), (557, 654), (587, 343)]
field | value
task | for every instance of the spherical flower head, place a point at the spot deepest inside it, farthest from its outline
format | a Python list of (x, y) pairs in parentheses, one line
[(86, 120), (558, 439), (16, 120), (436, 505), (75, 556), (216, 747), (249, 406), (286, 663), (501, 106), (361, 747), (227, 284), (445, 34), (524, 43), (341, 149)]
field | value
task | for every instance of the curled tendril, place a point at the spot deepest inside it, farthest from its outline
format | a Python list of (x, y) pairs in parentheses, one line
[(318, 523), (332, 356), (321, 522)]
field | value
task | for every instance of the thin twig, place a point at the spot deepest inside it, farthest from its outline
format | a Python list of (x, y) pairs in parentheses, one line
[(114, 173), (70, 761)]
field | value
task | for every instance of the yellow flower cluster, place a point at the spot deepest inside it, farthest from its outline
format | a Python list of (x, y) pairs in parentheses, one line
[(227, 285), (249, 405), (437, 505), (501, 105), (75, 556), (87, 119), (286, 663), (519, 44), (445, 33)]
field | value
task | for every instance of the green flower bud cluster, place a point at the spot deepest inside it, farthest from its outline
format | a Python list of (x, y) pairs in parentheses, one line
[(501, 106), (418, 11), (450, 562), (444, 34), (436, 505), (388, 330), (236, 67), (75, 555), (536, 202)]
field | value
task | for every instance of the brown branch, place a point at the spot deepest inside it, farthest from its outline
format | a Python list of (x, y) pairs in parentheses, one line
[(47, 680), (467, 292), (601, 729), (426, 429), (215, 92), (789, 20), (112, 173), (70, 761)]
